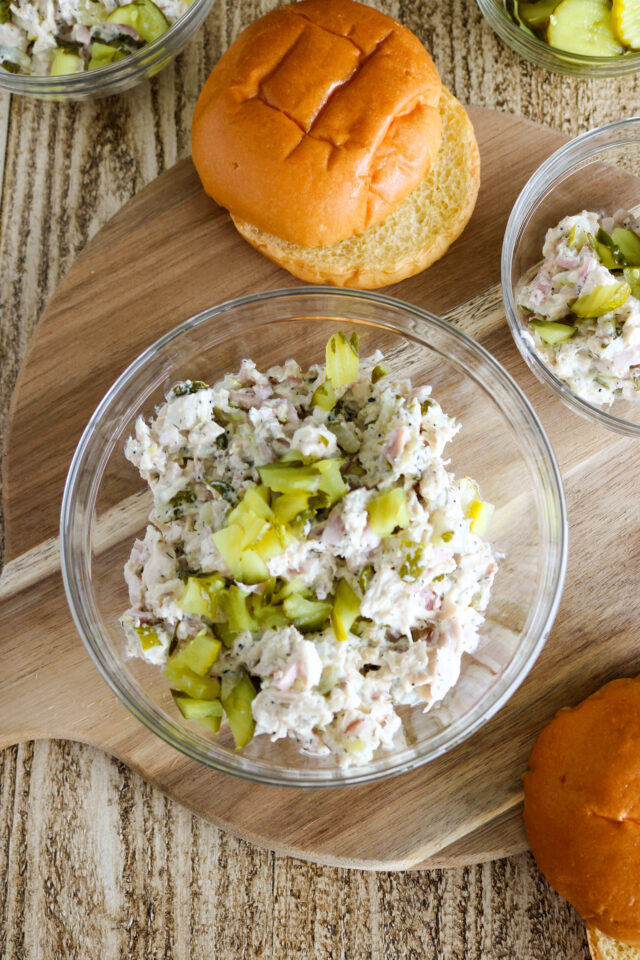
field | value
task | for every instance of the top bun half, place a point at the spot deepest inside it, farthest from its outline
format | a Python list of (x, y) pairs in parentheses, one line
[(318, 121)]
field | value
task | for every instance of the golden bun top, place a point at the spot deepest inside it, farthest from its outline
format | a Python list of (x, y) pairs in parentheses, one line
[(582, 808), (318, 121)]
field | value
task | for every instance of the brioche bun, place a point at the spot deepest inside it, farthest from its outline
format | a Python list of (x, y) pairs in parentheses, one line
[(603, 947), (411, 238), (318, 121), (582, 808)]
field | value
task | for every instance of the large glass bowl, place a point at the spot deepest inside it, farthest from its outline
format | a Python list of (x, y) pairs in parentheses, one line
[(115, 77), (501, 444), (543, 55), (596, 171)]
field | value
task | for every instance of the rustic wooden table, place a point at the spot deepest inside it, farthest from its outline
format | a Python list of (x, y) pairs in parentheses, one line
[(93, 861)]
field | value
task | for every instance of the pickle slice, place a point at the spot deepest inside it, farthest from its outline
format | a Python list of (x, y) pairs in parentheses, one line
[(625, 15), (237, 706), (346, 609), (602, 299), (536, 15), (342, 359), (146, 19), (480, 513), (387, 511), (552, 333), (584, 27), (628, 243)]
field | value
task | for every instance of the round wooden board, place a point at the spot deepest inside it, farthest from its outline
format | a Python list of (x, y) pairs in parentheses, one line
[(168, 254)]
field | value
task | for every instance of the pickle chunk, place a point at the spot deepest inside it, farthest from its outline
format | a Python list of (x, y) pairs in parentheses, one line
[(551, 333), (237, 705), (584, 27), (65, 62)]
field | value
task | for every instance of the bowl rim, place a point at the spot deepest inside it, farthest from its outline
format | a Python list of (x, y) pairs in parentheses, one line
[(552, 58), (555, 514), (112, 74), (577, 152)]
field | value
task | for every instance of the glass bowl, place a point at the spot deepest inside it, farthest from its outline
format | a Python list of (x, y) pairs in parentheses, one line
[(501, 444), (540, 53), (596, 171), (115, 77)]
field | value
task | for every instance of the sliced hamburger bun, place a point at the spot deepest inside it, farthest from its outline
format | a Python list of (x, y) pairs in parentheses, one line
[(411, 238), (318, 121), (603, 947), (582, 808)]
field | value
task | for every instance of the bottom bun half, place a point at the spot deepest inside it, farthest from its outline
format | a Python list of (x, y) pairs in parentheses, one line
[(413, 237)]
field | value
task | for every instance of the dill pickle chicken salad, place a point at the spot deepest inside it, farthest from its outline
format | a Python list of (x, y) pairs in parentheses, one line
[(58, 37), (582, 307), (310, 564)]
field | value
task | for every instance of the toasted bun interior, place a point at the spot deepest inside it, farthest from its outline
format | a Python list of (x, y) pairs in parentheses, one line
[(603, 947), (582, 808), (318, 121), (411, 238)]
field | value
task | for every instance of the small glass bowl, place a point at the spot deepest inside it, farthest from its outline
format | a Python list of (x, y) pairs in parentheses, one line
[(543, 55), (593, 172), (501, 444), (115, 77)]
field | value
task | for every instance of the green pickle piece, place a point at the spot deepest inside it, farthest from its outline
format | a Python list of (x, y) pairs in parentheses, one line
[(387, 511), (238, 614), (379, 371), (185, 680), (536, 15), (65, 62), (324, 396), (199, 655), (192, 709), (306, 614), (102, 55), (148, 636), (143, 16), (632, 276), (584, 27), (552, 332), (290, 477), (288, 506), (628, 243), (346, 609), (237, 706), (198, 595), (342, 359), (602, 299)]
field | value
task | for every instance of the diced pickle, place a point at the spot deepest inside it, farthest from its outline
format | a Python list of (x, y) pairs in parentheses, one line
[(196, 596), (238, 615), (603, 252), (306, 614), (185, 680), (387, 511), (584, 27), (480, 513), (632, 276), (331, 483), (237, 706), (102, 55), (551, 332), (148, 636), (536, 15), (378, 372), (346, 608), (274, 542), (342, 359), (65, 62), (625, 15), (256, 502), (289, 506), (143, 16), (283, 478), (192, 709), (198, 655), (602, 299), (365, 578), (628, 243), (324, 396), (346, 434)]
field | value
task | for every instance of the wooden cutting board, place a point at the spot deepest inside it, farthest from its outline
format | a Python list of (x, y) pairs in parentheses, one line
[(168, 254)]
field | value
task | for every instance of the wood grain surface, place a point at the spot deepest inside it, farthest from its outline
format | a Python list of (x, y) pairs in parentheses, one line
[(93, 861)]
